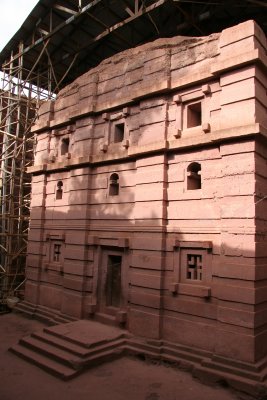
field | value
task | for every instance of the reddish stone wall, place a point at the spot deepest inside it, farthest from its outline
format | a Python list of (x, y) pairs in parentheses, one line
[(156, 160)]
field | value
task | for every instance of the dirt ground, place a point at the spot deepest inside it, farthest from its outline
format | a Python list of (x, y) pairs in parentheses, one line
[(126, 378)]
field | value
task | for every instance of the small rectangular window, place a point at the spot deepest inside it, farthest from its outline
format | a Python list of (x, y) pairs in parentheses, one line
[(194, 115), (65, 143), (118, 133)]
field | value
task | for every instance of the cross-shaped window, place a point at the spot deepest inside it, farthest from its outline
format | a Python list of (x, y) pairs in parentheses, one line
[(57, 252)]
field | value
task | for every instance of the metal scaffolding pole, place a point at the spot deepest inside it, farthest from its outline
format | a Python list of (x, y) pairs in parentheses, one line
[(19, 101)]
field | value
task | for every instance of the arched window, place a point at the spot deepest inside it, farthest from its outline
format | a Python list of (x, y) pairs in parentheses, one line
[(194, 176), (114, 185), (59, 191)]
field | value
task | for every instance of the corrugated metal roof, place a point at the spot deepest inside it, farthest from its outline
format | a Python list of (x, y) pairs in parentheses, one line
[(76, 39)]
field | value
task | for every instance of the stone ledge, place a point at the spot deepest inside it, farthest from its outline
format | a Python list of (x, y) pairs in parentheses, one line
[(190, 289), (162, 146), (40, 126), (58, 267), (192, 245), (151, 147), (191, 79), (238, 61), (240, 32)]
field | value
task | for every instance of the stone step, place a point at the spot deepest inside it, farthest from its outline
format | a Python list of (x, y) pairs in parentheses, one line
[(101, 357), (27, 313), (172, 353), (105, 319), (43, 313), (62, 363), (64, 355), (257, 367), (181, 354), (178, 361), (51, 366), (52, 316), (78, 342), (263, 374), (26, 304), (62, 320), (50, 351), (61, 343), (35, 312), (55, 314), (77, 349), (131, 349), (144, 346), (242, 384), (44, 318), (24, 308), (231, 370), (189, 350)]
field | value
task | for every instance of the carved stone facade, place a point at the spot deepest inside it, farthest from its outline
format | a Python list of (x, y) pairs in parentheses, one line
[(147, 194)]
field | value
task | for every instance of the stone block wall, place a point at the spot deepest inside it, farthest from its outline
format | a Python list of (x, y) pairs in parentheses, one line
[(148, 193)]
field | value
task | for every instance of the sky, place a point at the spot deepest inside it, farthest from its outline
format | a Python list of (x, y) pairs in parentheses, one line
[(12, 14)]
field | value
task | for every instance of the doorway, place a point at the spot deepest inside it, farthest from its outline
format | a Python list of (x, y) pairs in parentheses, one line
[(112, 283)]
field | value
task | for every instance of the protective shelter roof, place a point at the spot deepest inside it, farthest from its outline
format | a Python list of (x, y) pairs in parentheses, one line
[(75, 35)]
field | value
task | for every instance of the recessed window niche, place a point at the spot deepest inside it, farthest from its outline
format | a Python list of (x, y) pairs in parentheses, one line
[(119, 132), (57, 252), (194, 176), (114, 185), (65, 144), (194, 114), (194, 267), (59, 191)]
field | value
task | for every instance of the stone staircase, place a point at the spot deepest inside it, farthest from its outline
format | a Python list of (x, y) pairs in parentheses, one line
[(42, 313), (68, 349), (64, 357)]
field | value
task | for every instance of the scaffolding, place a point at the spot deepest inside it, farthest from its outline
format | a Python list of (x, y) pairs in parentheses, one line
[(19, 103)]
